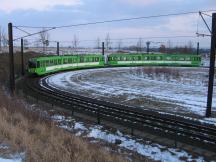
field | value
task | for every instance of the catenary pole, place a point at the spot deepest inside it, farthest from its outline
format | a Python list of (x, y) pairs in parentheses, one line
[(148, 44), (22, 59), (198, 48), (11, 58), (58, 48), (103, 48), (212, 67)]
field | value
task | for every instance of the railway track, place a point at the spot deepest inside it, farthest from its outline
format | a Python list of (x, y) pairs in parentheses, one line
[(165, 125)]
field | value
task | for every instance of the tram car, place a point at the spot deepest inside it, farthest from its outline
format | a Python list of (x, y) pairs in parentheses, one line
[(154, 59), (51, 64)]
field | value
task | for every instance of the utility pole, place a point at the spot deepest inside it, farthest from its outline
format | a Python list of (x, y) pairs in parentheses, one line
[(212, 67), (58, 48), (22, 58), (0, 39), (11, 58), (198, 48), (148, 44)]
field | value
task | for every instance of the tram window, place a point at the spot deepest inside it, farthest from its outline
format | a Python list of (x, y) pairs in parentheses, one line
[(38, 64), (31, 64), (139, 57), (168, 58), (124, 58), (47, 62), (51, 62), (187, 59), (65, 61), (96, 59), (55, 62), (158, 58), (59, 61), (181, 59), (81, 59)]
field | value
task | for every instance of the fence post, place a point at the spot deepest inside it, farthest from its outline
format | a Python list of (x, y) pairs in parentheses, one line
[(11, 58), (212, 67)]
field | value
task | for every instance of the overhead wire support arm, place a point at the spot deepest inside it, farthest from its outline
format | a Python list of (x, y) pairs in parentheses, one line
[(203, 35), (206, 14), (34, 33), (22, 30), (200, 13)]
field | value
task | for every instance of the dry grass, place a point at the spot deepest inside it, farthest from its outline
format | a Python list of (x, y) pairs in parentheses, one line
[(41, 140)]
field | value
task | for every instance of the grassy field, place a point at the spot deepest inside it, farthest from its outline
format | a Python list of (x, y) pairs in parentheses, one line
[(39, 139)]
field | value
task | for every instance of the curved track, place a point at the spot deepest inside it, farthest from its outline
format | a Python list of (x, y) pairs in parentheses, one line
[(169, 126)]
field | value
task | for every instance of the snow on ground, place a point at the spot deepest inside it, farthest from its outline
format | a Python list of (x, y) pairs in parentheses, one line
[(9, 157), (145, 148), (10, 160), (170, 89)]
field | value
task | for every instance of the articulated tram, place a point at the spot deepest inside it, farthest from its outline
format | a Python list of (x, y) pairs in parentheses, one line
[(51, 64)]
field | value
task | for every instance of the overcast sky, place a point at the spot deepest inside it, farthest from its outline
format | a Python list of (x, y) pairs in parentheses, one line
[(66, 12)]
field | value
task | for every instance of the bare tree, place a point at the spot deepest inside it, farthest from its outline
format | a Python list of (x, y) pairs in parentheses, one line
[(98, 43), (75, 42), (162, 48), (169, 46), (37, 44), (119, 45), (25, 43), (108, 42), (3, 39), (190, 47), (44, 37), (139, 45)]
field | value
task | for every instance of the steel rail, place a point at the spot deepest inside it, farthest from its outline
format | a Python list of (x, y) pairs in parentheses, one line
[(147, 120)]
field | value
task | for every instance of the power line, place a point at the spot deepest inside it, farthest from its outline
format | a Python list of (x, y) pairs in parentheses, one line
[(102, 22), (119, 20), (134, 38)]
